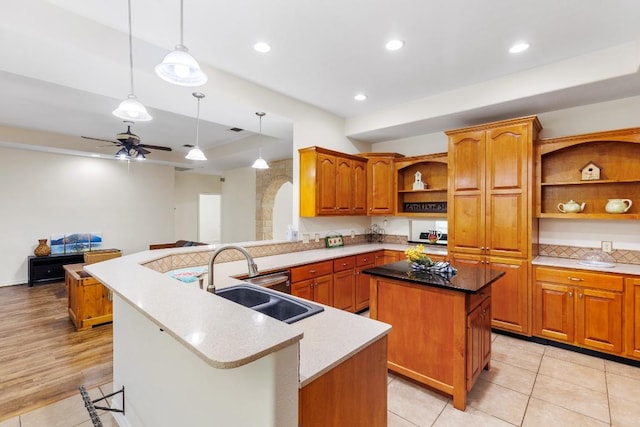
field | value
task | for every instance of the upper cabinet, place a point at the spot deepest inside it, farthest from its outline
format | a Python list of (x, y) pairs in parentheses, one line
[(590, 169), (490, 186), (421, 188), (381, 178), (331, 183)]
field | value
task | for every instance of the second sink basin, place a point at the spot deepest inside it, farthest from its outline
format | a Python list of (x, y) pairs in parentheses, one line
[(278, 306)]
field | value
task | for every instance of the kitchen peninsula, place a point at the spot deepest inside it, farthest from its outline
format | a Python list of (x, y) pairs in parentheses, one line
[(441, 334), (188, 357)]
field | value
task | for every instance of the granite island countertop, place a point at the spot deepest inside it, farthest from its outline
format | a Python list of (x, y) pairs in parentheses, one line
[(227, 335), (468, 279)]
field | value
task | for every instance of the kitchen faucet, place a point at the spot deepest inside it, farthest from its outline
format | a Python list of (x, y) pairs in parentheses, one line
[(253, 268)]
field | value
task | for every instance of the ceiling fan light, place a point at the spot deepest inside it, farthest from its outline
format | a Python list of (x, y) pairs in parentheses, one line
[(195, 154), (260, 163), (139, 156), (180, 68), (122, 153), (132, 109)]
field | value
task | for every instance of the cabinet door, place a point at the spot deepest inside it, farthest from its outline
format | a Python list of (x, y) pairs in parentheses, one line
[(632, 317), (343, 186), (344, 286), (599, 319), (362, 289), (326, 184), (510, 295), (323, 290), (475, 341), (554, 311), (303, 289), (359, 184), (486, 331), (466, 192), (506, 190), (381, 186)]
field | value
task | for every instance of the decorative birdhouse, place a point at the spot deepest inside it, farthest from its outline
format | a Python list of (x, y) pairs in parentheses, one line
[(590, 172)]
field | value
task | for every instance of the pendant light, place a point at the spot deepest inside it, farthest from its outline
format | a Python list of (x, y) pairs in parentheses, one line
[(179, 67), (131, 108), (260, 163), (196, 153)]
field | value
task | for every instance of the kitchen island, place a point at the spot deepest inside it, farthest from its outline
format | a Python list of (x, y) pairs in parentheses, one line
[(441, 323), (189, 357)]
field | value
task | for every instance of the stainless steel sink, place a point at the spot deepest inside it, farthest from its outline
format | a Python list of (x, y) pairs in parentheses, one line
[(272, 304)]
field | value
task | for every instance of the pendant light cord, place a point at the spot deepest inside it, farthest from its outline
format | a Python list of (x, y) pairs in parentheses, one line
[(198, 126), (130, 51), (182, 24)]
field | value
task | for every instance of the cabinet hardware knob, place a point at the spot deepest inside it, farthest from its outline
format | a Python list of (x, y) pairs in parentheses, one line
[(570, 294), (575, 279), (579, 295), (313, 271)]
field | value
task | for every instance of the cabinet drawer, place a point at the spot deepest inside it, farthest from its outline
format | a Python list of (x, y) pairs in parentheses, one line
[(345, 263), (47, 271), (580, 278), (365, 259), (478, 297), (310, 271)]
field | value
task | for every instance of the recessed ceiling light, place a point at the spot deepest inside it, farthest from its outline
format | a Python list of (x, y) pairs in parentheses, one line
[(262, 47), (360, 97), (394, 44), (519, 47)]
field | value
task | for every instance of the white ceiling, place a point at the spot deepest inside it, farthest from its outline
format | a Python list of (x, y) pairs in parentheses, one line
[(58, 71)]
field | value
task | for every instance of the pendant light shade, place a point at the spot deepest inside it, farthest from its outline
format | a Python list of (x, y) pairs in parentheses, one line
[(196, 153), (179, 67), (131, 108), (260, 163)]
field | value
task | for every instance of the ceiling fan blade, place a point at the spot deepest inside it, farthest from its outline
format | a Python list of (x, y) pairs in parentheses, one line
[(155, 147), (142, 150), (100, 139)]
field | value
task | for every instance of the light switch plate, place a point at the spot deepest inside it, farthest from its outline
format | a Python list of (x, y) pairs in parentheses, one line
[(606, 246)]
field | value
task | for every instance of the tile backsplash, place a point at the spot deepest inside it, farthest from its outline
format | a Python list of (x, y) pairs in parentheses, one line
[(623, 256)]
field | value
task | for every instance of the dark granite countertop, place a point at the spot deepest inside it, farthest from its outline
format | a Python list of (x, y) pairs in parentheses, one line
[(467, 279)]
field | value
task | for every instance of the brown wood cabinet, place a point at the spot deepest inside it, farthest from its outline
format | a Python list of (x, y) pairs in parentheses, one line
[(344, 283), (381, 178), (331, 183), (632, 316), (440, 337), (89, 301), (433, 168), (490, 210), (578, 307), (354, 393), (313, 282), (559, 162), (511, 295), (363, 261), (387, 256)]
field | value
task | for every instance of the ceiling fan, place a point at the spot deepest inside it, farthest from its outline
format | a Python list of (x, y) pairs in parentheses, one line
[(130, 143)]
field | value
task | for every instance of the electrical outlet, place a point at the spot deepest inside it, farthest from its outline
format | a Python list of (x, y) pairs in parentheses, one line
[(317, 239), (606, 246), (305, 238), (353, 234)]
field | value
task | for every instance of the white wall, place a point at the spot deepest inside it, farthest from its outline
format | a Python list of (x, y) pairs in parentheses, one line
[(282, 212), (239, 205), (188, 188), (43, 194)]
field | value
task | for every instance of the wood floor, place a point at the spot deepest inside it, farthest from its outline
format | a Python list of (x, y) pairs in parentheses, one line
[(42, 357)]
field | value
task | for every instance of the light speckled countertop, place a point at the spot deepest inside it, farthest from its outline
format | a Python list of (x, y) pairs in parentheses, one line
[(619, 268), (227, 335)]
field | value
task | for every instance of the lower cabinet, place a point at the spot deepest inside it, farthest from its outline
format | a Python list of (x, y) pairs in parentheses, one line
[(510, 296), (632, 317), (89, 301), (344, 283), (387, 256), (363, 261), (313, 282), (478, 336), (580, 308)]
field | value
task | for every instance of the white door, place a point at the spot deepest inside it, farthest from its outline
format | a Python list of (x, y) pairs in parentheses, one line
[(209, 208)]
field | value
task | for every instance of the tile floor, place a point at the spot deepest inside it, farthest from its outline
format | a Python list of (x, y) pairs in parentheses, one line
[(529, 384)]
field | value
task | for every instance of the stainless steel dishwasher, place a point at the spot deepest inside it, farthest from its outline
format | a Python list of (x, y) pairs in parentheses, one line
[(276, 280)]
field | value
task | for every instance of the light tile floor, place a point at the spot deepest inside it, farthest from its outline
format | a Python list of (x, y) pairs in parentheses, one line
[(529, 385)]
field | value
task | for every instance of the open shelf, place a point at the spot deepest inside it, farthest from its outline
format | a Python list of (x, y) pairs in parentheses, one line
[(559, 163), (433, 168)]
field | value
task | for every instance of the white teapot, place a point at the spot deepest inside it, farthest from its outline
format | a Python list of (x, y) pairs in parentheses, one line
[(571, 207), (618, 205)]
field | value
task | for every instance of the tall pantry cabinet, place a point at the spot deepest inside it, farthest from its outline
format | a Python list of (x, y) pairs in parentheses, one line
[(490, 210)]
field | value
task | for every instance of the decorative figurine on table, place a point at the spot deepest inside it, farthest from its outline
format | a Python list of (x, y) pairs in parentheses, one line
[(418, 184)]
